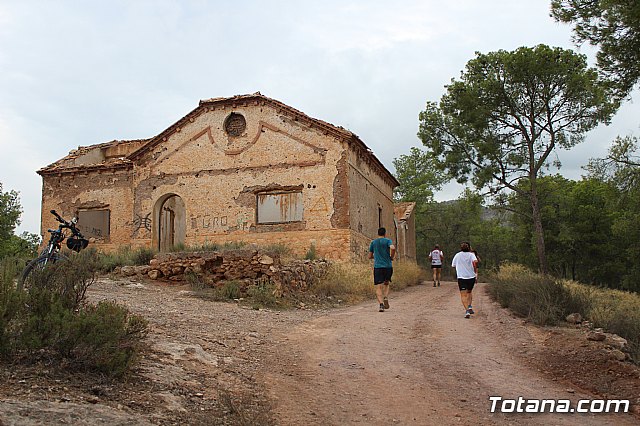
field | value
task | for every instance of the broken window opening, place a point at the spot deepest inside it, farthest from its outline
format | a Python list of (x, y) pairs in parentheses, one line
[(279, 207), (94, 223)]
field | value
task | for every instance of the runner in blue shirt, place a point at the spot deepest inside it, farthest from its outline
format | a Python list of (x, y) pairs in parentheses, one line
[(382, 251)]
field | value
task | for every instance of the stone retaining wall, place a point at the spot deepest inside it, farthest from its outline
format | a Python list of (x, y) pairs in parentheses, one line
[(214, 268)]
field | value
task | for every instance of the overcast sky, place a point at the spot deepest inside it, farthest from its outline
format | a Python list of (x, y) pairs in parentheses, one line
[(75, 73)]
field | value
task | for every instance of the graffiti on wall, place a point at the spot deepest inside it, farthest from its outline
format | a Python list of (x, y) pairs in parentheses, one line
[(141, 226), (219, 224)]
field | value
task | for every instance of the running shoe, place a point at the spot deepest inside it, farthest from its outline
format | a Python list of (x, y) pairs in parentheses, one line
[(381, 308), (470, 310), (438, 283), (434, 283), (386, 303), (467, 314)]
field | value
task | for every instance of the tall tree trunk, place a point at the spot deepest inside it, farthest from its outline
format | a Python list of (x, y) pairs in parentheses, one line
[(537, 223)]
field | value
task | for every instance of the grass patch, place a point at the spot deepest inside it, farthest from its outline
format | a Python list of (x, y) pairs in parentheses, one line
[(541, 299), (615, 311), (546, 301), (311, 253), (124, 256), (353, 282)]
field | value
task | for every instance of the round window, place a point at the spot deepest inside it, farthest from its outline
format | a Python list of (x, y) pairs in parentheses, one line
[(235, 124)]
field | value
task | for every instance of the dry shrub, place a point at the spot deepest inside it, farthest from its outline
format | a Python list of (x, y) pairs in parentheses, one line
[(407, 274), (539, 298), (615, 311), (353, 282), (544, 301), (125, 256)]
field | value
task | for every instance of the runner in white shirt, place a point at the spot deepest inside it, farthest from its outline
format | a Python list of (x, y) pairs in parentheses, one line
[(466, 265), (436, 257)]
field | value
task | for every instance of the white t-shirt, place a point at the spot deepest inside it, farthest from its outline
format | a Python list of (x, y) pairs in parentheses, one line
[(436, 257), (463, 262)]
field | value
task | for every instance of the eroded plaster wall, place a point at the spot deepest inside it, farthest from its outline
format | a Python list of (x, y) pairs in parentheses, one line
[(368, 192), (218, 177), (70, 193)]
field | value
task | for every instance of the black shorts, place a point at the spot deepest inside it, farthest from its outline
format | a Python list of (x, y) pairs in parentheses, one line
[(466, 284), (382, 275), (436, 266)]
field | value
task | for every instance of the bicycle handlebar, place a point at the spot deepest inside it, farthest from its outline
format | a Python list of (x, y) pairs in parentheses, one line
[(71, 225)]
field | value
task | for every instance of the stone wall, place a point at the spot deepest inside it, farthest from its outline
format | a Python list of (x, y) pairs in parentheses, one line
[(246, 265)]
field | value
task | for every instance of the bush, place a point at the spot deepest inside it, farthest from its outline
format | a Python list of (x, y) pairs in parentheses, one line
[(52, 318), (278, 250), (10, 302), (105, 337), (352, 282), (538, 298), (546, 301), (311, 253), (407, 274), (230, 290), (613, 310), (262, 294)]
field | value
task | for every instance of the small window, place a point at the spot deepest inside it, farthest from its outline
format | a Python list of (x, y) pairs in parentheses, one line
[(280, 207), (379, 216), (94, 223)]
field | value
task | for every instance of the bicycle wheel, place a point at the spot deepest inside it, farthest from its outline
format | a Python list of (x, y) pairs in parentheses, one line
[(36, 266)]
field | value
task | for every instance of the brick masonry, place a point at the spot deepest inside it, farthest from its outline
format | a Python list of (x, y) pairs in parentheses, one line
[(198, 181)]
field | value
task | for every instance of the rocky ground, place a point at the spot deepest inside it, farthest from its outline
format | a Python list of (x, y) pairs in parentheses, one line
[(418, 363)]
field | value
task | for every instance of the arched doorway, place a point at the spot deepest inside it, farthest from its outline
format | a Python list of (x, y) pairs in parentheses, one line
[(170, 226)]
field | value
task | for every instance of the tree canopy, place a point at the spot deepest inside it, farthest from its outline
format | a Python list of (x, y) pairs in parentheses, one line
[(613, 26), (418, 177), (501, 122)]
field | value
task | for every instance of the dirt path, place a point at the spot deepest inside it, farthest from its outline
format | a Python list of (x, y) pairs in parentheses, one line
[(418, 363)]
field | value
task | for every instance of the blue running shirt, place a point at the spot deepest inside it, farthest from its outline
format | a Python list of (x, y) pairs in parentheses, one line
[(381, 249)]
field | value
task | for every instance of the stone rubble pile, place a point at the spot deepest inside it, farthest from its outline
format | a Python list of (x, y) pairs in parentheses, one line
[(248, 265)]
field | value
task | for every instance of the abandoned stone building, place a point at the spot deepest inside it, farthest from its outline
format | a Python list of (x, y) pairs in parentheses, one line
[(246, 168)]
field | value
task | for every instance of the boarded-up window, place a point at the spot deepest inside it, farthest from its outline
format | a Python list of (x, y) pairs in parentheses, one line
[(280, 207), (94, 223)]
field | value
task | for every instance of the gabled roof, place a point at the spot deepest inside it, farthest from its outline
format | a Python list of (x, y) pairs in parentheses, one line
[(65, 164)]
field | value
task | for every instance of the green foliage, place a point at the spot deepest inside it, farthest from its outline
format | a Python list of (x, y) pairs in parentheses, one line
[(311, 253), (280, 250), (125, 256), (53, 318), (262, 294), (418, 177), (508, 112), (613, 26), (547, 301), (105, 337), (538, 298), (24, 245), (620, 169), (230, 290), (10, 302), (464, 219)]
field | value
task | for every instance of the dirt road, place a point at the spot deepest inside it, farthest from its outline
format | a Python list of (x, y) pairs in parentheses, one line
[(419, 363)]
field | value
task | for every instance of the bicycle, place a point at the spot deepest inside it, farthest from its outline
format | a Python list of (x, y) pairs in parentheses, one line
[(51, 254)]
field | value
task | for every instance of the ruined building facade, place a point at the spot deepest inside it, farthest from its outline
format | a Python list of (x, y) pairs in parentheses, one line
[(246, 168)]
